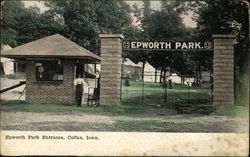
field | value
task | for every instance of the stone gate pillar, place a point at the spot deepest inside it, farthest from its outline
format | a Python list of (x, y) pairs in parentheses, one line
[(110, 79), (223, 69)]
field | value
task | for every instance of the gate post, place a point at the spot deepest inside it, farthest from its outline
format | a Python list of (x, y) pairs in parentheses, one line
[(223, 69), (110, 79)]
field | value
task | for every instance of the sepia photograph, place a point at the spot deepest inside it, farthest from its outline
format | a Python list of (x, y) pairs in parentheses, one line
[(87, 69)]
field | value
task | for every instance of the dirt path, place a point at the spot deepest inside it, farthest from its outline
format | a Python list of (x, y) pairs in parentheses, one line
[(13, 94), (90, 122)]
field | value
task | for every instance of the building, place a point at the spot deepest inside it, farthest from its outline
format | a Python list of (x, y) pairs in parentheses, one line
[(11, 68), (131, 70), (134, 71), (6, 65), (150, 73), (206, 76), (52, 64)]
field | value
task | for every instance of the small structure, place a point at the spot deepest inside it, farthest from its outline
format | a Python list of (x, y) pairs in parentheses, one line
[(149, 73), (52, 63), (6, 65), (206, 76), (134, 71), (10, 67), (131, 70)]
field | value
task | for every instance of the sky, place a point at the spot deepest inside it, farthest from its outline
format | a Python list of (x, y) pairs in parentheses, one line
[(187, 19), (155, 5)]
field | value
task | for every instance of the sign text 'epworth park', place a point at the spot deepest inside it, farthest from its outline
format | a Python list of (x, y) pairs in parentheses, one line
[(166, 45)]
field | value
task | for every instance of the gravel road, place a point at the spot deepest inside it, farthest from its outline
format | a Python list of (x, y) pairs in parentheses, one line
[(89, 122)]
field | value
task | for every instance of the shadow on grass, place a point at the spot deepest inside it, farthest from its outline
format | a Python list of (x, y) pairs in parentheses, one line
[(127, 109), (112, 110)]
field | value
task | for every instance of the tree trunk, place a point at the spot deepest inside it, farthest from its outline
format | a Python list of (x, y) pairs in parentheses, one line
[(161, 76), (155, 75), (242, 95), (143, 69), (196, 78), (164, 75), (200, 81)]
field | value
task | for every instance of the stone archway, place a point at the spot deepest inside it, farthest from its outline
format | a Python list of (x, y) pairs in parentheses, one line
[(223, 69)]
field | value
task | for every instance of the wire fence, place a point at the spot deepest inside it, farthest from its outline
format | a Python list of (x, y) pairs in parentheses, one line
[(151, 90)]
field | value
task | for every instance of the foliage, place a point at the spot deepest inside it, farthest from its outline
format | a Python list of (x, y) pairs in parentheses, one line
[(163, 24), (134, 33), (32, 25), (21, 25), (80, 21), (84, 20), (228, 17), (9, 18)]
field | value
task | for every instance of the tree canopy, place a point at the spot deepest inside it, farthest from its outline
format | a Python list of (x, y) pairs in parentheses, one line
[(228, 17), (82, 21), (21, 25)]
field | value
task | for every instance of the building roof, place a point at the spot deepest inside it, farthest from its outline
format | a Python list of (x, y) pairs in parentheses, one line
[(130, 63), (6, 47), (54, 46), (148, 67)]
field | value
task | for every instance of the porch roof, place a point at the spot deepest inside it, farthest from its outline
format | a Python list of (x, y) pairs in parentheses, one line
[(54, 46)]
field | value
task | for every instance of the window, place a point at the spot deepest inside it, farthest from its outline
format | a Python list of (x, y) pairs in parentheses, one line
[(19, 67), (49, 71), (1, 68)]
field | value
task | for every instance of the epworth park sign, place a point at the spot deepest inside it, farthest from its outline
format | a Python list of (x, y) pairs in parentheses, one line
[(166, 45), (222, 46)]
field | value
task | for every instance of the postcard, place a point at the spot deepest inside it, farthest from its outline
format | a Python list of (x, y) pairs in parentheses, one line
[(125, 78)]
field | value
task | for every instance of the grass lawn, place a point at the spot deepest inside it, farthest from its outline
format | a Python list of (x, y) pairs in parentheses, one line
[(153, 94), (157, 101), (232, 110), (112, 110)]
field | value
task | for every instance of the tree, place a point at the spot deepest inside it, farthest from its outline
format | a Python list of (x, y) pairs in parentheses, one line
[(167, 24), (164, 24), (21, 25), (84, 20), (229, 17), (134, 32), (33, 25), (10, 11)]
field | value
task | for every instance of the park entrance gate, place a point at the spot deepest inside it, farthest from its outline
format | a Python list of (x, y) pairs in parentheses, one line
[(150, 90), (111, 54)]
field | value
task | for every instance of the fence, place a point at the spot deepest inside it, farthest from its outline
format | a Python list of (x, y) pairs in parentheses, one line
[(174, 92)]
